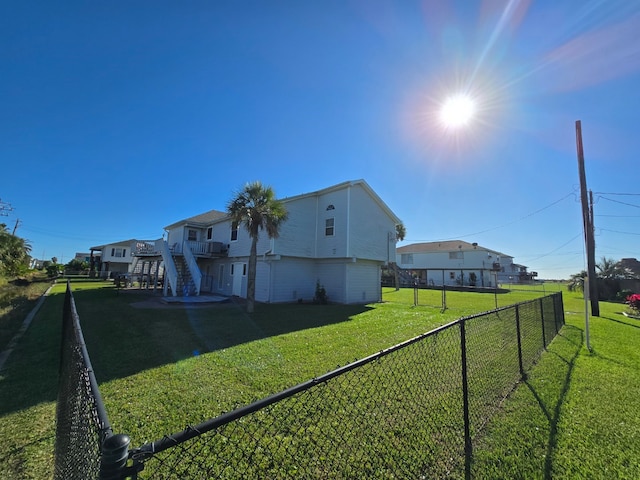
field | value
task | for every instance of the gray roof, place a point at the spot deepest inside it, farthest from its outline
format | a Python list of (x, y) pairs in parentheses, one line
[(201, 219), (446, 246)]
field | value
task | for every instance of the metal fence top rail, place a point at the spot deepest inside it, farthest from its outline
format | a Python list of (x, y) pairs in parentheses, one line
[(168, 441), (105, 425)]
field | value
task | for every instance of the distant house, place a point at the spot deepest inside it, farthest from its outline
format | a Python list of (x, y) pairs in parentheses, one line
[(455, 262), (631, 265), (337, 237), (114, 258), (86, 257)]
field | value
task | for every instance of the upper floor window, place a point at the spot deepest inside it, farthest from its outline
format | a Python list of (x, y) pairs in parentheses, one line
[(406, 258), (209, 233), (118, 252), (192, 235), (234, 231), (456, 255), (329, 227)]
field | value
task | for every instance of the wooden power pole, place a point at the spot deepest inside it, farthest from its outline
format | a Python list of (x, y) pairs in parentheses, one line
[(587, 220)]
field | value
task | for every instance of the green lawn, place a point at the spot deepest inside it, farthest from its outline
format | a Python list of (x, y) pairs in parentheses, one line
[(161, 369)]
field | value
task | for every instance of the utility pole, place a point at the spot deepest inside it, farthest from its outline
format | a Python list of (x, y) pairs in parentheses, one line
[(587, 220), (15, 227)]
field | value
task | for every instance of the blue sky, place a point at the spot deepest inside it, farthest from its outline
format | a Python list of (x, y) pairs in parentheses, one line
[(119, 118)]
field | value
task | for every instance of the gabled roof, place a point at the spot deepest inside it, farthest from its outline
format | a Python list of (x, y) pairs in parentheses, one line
[(207, 218), (346, 184), (201, 220), (446, 246)]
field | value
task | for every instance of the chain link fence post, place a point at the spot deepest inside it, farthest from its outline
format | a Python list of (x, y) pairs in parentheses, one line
[(115, 453), (468, 452)]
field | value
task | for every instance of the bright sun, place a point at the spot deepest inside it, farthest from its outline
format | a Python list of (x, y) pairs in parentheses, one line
[(457, 111)]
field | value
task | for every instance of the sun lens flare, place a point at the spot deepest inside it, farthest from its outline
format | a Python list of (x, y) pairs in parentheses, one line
[(457, 111)]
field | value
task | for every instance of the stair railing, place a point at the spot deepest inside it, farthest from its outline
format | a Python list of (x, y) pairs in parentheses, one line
[(171, 274), (192, 264)]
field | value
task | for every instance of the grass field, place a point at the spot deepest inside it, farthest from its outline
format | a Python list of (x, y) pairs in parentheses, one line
[(152, 362)]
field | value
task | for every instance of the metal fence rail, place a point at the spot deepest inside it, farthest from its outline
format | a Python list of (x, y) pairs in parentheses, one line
[(410, 411), (85, 445)]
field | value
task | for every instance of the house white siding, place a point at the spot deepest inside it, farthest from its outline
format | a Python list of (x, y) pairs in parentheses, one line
[(338, 237), (296, 279), (332, 276), (332, 205), (298, 235), (363, 280), (372, 232)]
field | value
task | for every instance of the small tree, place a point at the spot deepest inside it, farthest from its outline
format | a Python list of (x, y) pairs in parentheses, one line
[(256, 207)]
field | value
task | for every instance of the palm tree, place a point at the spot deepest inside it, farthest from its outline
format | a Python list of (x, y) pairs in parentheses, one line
[(608, 268), (576, 283), (256, 207), (401, 232), (14, 252)]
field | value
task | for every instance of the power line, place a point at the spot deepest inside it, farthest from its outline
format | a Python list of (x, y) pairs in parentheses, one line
[(504, 225), (618, 201), (616, 231), (612, 193), (555, 249)]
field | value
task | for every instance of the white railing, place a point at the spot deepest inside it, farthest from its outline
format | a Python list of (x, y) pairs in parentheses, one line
[(205, 248), (169, 267), (145, 247), (196, 274)]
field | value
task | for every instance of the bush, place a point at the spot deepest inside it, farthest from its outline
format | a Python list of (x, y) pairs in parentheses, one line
[(634, 303), (321, 295)]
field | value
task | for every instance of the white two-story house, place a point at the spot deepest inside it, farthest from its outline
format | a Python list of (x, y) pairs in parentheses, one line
[(114, 258), (459, 263), (338, 237)]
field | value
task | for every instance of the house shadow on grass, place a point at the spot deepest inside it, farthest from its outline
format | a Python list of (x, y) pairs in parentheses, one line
[(123, 340), (572, 339)]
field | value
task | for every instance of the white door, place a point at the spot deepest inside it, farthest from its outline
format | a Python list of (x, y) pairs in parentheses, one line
[(236, 272)]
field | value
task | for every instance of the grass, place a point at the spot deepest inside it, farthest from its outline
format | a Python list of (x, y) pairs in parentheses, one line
[(157, 361), (16, 301)]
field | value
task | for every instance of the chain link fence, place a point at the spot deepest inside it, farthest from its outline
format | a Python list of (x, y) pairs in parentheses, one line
[(410, 411), (85, 446)]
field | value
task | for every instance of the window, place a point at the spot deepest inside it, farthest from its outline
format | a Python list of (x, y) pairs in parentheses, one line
[(209, 233), (452, 275), (244, 269), (406, 258), (456, 255), (328, 227), (221, 277), (192, 235), (118, 252), (234, 231)]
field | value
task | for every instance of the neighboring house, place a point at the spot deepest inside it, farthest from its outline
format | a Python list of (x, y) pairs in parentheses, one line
[(338, 237), (455, 262), (86, 257), (631, 266), (115, 258)]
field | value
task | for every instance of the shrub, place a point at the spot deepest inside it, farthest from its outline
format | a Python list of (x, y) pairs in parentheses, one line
[(634, 303), (321, 295)]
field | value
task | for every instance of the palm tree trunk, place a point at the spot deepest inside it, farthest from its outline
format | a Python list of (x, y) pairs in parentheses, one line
[(251, 275)]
